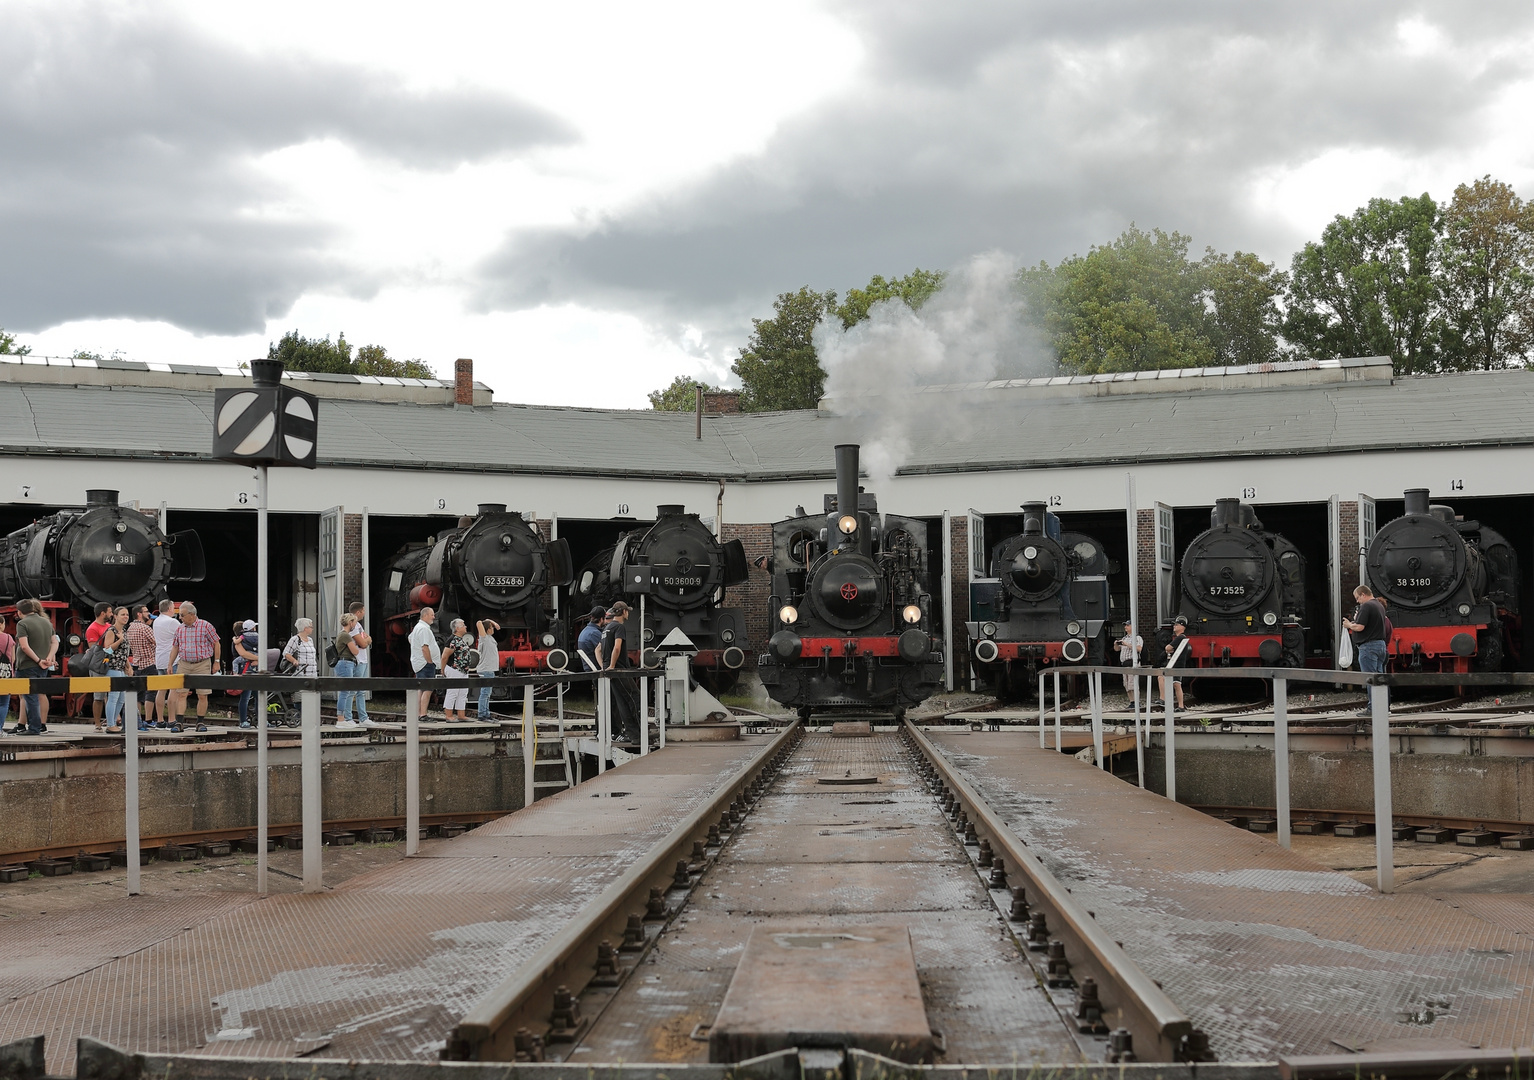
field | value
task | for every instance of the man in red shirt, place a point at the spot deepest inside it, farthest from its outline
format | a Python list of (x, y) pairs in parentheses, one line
[(93, 632), (196, 647)]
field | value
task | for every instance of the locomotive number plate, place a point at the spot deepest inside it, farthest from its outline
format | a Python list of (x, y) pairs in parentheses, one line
[(119, 558), (680, 582), (1227, 590), (1413, 582), (504, 581)]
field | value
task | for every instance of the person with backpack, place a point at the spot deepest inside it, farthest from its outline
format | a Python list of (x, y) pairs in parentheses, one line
[(245, 660)]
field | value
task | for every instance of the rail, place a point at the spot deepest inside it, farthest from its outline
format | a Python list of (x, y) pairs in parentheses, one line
[(1161, 1031), (522, 1004)]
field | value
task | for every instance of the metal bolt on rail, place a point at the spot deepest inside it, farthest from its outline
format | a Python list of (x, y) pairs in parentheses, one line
[(971, 836), (683, 876), (1019, 912), (986, 856), (699, 857), (713, 836), (1059, 968), (655, 907), (633, 933), (529, 1047), (1195, 1047), (1089, 1008), (1038, 932), (1121, 1047), (608, 973), (998, 875), (565, 1022)]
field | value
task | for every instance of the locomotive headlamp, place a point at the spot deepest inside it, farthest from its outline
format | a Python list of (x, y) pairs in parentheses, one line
[(121, 526), (649, 634), (1464, 609), (988, 629), (848, 524), (548, 641), (1031, 552), (911, 613), (788, 614), (727, 635), (1269, 619), (74, 639), (1073, 628)]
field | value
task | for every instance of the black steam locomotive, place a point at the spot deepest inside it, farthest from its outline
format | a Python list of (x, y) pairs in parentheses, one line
[(106, 553), (1451, 587), (850, 606), (494, 565), (1044, 604), (1243, 593), (688, 572)]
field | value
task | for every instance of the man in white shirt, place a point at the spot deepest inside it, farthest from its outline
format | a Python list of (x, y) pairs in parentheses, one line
[(165, 626), (425, 653), (363, 640), (1128, 654)]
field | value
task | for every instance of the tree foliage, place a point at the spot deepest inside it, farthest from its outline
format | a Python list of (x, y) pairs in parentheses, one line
[(1140, 303), (8, 346), (778, 368), (915, 289), (1368, 287), (680, 396), (1487, 272), (335, 357)]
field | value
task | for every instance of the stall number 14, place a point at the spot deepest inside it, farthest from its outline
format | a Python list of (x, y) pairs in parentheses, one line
[(1456, 485)]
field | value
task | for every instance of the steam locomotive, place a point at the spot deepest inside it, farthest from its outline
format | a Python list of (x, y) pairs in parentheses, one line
[(684, 570), (1045, 603), (1243, 593), (850, 606), (494, 565), (105, 553), (1451, 587)]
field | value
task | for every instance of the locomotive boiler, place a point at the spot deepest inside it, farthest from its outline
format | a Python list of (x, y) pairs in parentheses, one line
[(1450, 586), (684, 571), (493, 566), (851, 606), (105, 553), (1044, 604), (1243, 593)]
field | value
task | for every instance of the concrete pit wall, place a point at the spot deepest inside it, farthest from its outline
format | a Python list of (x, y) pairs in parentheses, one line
[(68, 802), (1429, 776)]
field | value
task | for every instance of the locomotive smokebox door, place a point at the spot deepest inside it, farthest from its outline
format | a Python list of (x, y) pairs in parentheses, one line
[(267, 424)]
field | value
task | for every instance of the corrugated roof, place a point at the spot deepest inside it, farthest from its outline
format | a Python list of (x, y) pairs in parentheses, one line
[(958, 430)]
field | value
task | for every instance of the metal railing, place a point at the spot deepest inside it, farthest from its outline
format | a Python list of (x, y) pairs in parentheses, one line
[(1376, 686), (308, 689)]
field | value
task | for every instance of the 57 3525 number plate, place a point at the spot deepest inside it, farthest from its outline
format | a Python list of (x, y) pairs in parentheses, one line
[(1227, 590)]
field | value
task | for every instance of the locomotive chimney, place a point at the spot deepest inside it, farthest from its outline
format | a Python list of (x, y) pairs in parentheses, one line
[(1416, 500), (266, 372), (847, 478), (670, 510), (1033, 519), (1225, 512), (100, 497), (491, 508)]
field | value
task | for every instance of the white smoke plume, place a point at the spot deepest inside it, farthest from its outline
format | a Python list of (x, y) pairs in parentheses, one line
[(972, 330)]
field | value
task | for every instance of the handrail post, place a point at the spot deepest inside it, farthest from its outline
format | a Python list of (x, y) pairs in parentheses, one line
[(529, 748), (604, 721), (412, 771), (1141, 738), (1057, 711), (130, 721), (1041, 710), (1095, 692), (644, 713), (1384, 816), (313, 812), (1171, 736), (660, 709), (1281, 757)]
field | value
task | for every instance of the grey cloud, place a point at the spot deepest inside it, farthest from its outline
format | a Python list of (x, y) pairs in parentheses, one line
[(128, 188), (1039, 129)]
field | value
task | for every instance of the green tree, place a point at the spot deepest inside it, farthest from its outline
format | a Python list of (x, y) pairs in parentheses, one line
[(915, 289), (778, 368), (680, 396), (1369, 287), (8, 346), (1135, 304), (1487, 277), (322, 355), (1243, 320)]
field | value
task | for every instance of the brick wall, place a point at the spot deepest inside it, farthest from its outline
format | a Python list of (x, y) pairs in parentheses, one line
[(958, 573), (351, 556), (1145, 539), (753, 595), (1347, 573)]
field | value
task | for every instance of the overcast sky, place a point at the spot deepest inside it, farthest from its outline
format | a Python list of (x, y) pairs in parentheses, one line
[(591, 199)]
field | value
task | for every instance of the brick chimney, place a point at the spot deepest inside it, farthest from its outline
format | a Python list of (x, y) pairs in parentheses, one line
[(721, 401), (463, 382)]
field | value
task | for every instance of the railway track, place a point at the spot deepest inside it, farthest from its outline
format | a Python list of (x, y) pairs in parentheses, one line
[(833, 841)]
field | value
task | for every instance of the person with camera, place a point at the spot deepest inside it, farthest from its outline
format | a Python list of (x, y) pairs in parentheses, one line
[(489, 663)]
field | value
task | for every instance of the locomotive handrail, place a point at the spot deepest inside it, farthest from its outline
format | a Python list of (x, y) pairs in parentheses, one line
[(1404, 680), (86, 684)]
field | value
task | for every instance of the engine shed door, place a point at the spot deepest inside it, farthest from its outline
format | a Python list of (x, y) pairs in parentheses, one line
[(332, 576), (1368, 525), (978, 568), (1334, 565), (1166, 567)]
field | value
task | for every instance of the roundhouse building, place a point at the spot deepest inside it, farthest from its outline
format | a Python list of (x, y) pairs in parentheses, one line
[(1323, 450)]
